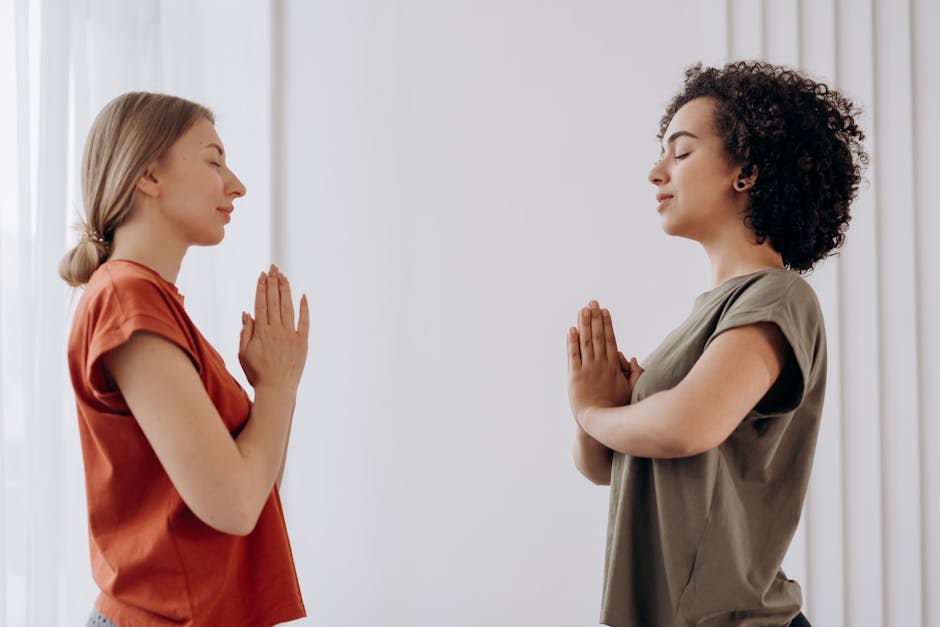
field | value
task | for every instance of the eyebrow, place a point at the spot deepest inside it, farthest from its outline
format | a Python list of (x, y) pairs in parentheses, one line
[(678, 134), (217, 147)]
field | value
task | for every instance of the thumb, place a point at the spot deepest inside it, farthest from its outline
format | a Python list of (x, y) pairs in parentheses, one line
[(248, 326), (624, 364), (635, 370)]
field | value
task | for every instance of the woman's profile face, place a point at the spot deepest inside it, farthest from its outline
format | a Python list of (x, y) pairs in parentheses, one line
[(695, 177), (197, 188)]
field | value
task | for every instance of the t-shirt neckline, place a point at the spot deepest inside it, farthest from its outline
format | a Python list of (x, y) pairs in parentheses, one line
[(153, 272), (734, 281)]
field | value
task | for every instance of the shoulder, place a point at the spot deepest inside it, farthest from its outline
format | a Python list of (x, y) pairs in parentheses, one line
[(121, 299), (774, 295), (125, 288), (773, 287)]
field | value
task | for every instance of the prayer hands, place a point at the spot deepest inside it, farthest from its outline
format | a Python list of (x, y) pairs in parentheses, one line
[(271, 351), (598, 373)]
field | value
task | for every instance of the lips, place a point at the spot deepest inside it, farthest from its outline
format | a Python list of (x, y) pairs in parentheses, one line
[(662, 199), (227, 212)]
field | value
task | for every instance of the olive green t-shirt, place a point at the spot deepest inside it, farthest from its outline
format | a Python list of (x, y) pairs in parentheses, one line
[(699, 540)]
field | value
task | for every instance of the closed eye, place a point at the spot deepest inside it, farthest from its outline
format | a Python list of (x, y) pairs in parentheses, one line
[(682, 156)]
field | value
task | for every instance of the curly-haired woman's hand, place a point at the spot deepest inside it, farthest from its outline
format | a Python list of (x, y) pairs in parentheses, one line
[(598, 373)]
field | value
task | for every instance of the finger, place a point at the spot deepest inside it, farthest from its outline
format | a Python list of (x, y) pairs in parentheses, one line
[(261, 300), (274, 299), (584, 334), (624, 363), (610, 342), (287, 303), (574, 350), (597, 334), (303, 323)]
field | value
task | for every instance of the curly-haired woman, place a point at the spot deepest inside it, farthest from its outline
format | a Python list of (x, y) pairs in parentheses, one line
[(708, 447)]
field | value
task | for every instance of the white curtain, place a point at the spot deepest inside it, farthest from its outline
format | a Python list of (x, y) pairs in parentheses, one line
[(60, 62), (868, 550)]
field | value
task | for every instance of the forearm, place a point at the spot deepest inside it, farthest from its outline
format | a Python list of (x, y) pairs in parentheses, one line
[(652, 427), (592, 459), (290, 424), (262, 444)]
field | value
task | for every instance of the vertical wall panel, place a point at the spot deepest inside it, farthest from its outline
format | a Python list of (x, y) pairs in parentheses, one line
[(892, 168), (823, 518), (780, 44), (861, 367), (817, 38), (45, 578), (746, 28), (925, 20), (716, 37), (781, 30)]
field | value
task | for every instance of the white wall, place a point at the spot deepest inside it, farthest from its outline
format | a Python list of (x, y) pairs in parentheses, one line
[(459, 178)]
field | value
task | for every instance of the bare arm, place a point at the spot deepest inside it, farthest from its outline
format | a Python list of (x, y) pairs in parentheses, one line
[(591, 458), (280, 473), (731, 377), (225, 482)]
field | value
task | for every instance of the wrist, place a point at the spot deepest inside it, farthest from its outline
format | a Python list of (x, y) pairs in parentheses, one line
[(583, 418), (276, 390)]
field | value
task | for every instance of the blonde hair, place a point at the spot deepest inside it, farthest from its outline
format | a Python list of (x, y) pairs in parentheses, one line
[(132, 131)]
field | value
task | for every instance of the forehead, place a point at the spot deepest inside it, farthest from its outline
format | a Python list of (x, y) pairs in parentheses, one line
[(696, 116), (200, 135)]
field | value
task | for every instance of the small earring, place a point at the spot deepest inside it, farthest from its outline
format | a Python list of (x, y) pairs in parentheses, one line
[(740, 184)]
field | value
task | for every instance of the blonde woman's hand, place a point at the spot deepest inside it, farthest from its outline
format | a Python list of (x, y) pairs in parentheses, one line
[(271, 350), (598, 373)]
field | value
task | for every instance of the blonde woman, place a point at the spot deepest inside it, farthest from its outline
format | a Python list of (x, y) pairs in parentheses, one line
[(182, 468)]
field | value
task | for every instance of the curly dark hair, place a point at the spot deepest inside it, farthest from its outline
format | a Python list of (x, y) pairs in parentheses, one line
[(804, 142)]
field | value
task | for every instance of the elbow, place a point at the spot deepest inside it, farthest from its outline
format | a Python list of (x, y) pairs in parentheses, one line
[(687, 443), (677, 448), (598, 474), (595, 475), (684, 432), (233, 516), (240, 527)]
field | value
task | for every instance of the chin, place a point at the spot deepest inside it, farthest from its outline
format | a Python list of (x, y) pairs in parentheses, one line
[(210, 239), (670, 227)]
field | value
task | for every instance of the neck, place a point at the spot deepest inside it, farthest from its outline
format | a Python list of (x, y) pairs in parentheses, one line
[(151, 244), (735, 254)]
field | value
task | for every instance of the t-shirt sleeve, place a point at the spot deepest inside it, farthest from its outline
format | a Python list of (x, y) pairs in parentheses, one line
[(127, 305), (789, 303)]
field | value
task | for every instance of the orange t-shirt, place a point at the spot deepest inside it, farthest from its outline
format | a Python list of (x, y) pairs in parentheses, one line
[(155, 562)]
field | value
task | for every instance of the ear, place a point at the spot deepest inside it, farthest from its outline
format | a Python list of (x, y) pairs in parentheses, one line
[(742, 182), (148, 184)]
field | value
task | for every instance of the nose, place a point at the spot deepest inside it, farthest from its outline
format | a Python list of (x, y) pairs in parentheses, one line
[(658, 175), (234, 187)]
